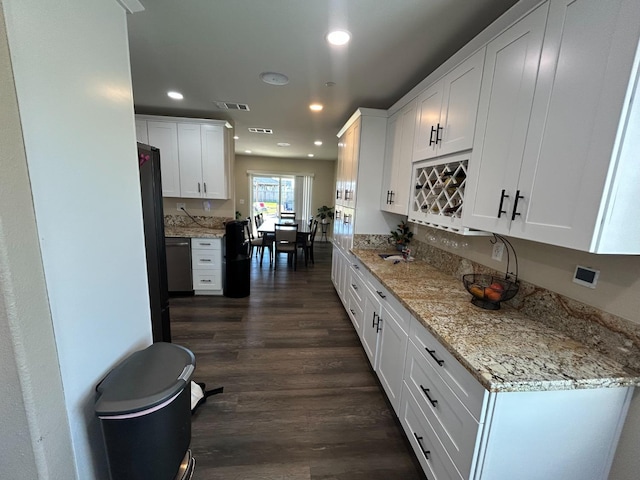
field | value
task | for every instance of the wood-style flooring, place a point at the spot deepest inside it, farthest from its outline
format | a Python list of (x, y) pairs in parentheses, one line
[(300, 400)]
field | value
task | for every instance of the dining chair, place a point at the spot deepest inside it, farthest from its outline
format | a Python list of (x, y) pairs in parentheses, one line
[(286, 236), (288, 215), (257, 244), (307, 244)]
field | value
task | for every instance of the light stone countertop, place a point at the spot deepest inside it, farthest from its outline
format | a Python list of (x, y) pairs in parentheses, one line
[(193, 232), (504, 350)]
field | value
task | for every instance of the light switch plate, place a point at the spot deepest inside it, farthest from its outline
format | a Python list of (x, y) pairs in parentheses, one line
[(180, 206)]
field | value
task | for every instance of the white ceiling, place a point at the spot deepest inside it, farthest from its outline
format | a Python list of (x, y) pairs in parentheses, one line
[(214, 50)]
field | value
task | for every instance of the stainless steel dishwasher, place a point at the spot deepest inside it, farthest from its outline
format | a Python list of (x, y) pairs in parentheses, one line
[(180, 279)]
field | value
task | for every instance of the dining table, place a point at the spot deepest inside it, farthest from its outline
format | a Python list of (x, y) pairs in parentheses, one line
[(269, 227)]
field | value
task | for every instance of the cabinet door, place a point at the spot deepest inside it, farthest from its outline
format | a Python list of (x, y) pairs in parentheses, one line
[(142, 135), (214, 167), (427, 122), (164, 135), (351, 165), (461, 91), (508, 84), (396, 196), (392, 152), (190, 155), (588, 53), (391, 356), (370, 326)]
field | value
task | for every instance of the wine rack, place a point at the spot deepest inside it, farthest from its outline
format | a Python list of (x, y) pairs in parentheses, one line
[(437, 199)]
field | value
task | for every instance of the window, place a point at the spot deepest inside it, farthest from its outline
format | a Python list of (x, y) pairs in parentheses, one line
[(274, 194)]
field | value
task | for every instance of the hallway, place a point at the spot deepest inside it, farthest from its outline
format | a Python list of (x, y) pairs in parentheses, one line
[(300, 401)]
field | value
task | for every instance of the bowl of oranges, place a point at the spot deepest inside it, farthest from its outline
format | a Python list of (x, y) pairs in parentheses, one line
[(488, 290)]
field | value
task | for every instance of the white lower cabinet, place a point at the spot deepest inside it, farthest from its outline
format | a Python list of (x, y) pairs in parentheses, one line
[(457, 428), (206, 265)]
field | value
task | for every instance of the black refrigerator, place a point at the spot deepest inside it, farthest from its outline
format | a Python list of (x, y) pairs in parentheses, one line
[(151, 189)]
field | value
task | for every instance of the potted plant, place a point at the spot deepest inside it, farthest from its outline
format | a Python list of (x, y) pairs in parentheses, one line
[(401, 237), (325, 214)]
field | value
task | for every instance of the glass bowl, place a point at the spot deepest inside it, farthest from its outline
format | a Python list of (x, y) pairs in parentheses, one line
[(489, 290)]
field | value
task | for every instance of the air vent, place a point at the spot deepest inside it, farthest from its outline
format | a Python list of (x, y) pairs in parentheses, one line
[(232, 106), (268, 131)]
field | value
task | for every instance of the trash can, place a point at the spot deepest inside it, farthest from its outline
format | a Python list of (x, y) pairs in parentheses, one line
[(144, 407), (237, 264)]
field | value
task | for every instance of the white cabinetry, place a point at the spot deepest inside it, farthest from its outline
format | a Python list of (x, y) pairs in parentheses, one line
[(459, 430), (206, 265), (164, 135), (195, 155), (570, 175), (446, 117), (397, 167)]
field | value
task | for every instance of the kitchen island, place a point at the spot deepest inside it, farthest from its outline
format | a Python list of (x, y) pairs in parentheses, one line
[(483, 394)]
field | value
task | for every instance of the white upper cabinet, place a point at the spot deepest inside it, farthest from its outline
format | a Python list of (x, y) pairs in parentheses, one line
[(142, 135), (164, 135), (578, 173), (195, 155), (508, 84), (397, 167), (446, 118)]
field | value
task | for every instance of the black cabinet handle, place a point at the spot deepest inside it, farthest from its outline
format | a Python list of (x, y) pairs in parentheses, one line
[(515, 213), (426, 392), (433, 355), (352, 312), (419, 440), (205, 187), (198, 187), (382, 295), (438, 130), (431, 140), (379, 324), (354, 286), (391, 196), (503, 195), (373, 323)]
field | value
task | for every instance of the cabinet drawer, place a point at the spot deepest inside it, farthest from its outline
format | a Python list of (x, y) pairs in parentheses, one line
[(206, 243), (356, 286), (205, 260), (401, 314), (431, 454), (355, 312), (470, 392), (207, 280), (455, 426)]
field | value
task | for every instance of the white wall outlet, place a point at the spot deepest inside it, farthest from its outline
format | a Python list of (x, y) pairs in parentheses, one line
[(498, 250), (241, 201), (180, 206), (206, 205)]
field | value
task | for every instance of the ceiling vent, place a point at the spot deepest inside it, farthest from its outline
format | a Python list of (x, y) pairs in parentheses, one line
[(232, 106), (268, 131)]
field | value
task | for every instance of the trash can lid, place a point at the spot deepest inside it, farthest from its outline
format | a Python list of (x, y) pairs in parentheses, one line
[(145, 379)]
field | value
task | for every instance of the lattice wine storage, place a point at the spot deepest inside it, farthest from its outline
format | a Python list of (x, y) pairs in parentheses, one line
[(438, 195)]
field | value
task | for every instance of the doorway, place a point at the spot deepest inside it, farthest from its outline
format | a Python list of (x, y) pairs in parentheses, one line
[(272, 194)]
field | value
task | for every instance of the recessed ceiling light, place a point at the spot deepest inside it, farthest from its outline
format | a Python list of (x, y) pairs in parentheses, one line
[(310, 155), (236, 137), (330, 84), (283, 144), (247, 151), (316, 107), (338, 37), (274, 78), (317, 142), (175, 95)]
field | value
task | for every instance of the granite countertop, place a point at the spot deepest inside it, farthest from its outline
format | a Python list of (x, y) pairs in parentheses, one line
[(193, 231), (504, 350)]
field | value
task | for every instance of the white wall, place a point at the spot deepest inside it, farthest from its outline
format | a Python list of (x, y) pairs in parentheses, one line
[(71, 70)]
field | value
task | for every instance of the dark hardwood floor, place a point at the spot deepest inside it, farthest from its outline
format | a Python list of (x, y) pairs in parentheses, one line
[(300, 400)]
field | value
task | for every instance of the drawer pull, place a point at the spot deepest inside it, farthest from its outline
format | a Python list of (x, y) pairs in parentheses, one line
[(373, 323), (433, 355), (205, 244), (356, 266), (419, 440), (205, 281), (355, 287), (205, 260), (352, 311), (426, 392), (382, 295), (379, 325)]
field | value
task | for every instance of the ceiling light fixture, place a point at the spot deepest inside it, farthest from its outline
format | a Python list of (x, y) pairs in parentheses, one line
[(310, 155), (283, 144), (236, 137), (274, 78), (317, 143), (338, 37), (316, 107), (175, 95), (247, 151)]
